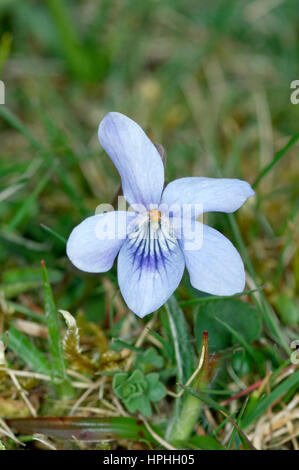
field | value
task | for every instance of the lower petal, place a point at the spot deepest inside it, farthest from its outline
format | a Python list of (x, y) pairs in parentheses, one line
[(149, 271), (93, 245), (215, 266)]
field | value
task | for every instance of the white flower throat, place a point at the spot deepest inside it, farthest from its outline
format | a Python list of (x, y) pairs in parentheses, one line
[(152, 240)]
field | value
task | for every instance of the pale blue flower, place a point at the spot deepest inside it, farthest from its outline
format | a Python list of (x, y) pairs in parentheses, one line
[(153, 249)]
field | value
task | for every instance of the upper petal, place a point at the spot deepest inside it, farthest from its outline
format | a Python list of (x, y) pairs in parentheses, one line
[(207, 194), (136, 158), (215, 266), (149, 269), (94, 243)]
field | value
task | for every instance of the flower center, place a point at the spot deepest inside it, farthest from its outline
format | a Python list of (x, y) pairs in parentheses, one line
[(155, 215), (151, 241)]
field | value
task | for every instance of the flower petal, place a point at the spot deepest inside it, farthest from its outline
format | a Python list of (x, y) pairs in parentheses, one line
[(215, 267), (93, 245), (149, 270), (136, 158), (207, 194)]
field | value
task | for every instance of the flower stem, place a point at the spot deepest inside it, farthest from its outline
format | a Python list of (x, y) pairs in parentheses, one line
[(187, 417)]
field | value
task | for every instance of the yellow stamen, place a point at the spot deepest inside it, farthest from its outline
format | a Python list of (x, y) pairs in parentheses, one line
[(155, 215)]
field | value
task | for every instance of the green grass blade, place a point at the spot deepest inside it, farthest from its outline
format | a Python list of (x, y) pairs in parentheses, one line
[(166, 348), (181, 340), (277, 157), (90, 429), (5, 48), (184, 355), (205, 398), (16, 307), (240, 339), (16, 288), (55, 344), (80, 62), (28, 352), (15, 122), (185, 420), (28, 202), (54, 234), (261, 302), (248, 445), (210, 298), (123, 344), (237, 428), (50, 160), (264, 404)]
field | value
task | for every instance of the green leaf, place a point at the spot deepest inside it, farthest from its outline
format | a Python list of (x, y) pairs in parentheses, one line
[(157, 392), (149, 359), (152, 379), (241, 363), (136, 377), (119, 379), (144, 406), (137, 390), (240, 316)]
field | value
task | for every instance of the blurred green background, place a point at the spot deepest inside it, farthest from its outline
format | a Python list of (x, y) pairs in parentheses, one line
[(210, 81)]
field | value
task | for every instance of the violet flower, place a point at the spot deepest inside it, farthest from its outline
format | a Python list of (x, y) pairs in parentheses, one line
[(156, 240)]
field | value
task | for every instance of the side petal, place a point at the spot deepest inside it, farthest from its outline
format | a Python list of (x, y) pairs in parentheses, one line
[(136, 158), (93, 245), (207, 194), (149, 271), (215, 266)]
